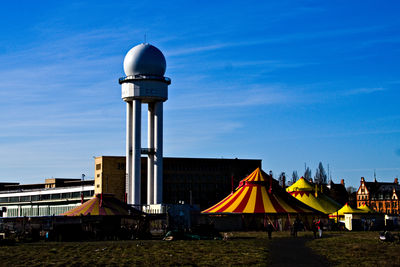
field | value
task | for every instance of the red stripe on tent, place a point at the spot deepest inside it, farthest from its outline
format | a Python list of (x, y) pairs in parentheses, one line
[(89, 210), (102, 211), (299, 210), (79, 208), (276, 204), (227, 204), (244, 201), (218, 204), (259, 206)]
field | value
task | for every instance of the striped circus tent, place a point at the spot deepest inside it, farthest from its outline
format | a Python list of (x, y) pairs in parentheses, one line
[(259, 193), (102, 204), (305, 192)]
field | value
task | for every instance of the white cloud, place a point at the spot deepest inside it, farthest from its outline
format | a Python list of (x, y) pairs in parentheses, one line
[(359, 91)]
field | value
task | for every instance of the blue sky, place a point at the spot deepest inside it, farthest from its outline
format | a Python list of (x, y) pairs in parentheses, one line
[(288, 82)]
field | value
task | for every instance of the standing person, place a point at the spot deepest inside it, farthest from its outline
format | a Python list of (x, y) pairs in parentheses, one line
[(270, 228), (319, 227), (314, 227), (296, 226)]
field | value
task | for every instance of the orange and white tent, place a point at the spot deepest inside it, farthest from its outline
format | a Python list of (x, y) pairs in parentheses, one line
[(257, 194), (102, 204)]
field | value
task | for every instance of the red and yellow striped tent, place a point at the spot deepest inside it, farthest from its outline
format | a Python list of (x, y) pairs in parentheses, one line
[(257, 193), (102, 204)]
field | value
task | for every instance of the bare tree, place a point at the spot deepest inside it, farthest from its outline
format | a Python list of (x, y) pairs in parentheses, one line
[(282, 179), (295, 177), (320, 175), (307, 174)]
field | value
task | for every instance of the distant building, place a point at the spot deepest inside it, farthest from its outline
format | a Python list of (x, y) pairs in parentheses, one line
[(199, 181), (337, 192), (382, 197), (55, 196)]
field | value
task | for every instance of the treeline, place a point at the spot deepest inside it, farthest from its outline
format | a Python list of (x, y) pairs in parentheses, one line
[(320, 177)]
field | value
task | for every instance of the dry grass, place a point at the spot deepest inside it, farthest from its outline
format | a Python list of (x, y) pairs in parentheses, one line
[(356, 248), (250, 249), (243, 249)]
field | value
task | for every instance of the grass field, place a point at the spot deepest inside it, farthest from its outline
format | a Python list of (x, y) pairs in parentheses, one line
[(251, 249)]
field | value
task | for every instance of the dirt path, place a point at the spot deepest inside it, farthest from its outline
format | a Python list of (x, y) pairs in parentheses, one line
[(293, 252)]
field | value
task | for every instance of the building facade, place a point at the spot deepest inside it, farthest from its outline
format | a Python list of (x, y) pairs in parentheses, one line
[(198, 181), (55, 196), (380, 196)]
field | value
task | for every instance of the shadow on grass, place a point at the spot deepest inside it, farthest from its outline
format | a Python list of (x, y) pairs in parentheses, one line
[(290, 251)]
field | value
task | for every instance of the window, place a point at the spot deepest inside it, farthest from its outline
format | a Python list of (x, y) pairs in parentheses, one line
[(98, 186), (76, 194), (98, 166), (3, 199), (87, 193), (55, 196), (45, 197), (35, 198), (25, 198), (14, 199), (121, 166), (66, 195)]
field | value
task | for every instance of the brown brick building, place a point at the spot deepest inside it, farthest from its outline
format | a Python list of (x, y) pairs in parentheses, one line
[(382, 197), (202, 181)]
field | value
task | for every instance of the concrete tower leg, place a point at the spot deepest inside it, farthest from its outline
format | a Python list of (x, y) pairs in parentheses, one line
[(150, 156), (136, 139), (128, 170), (158, 145)]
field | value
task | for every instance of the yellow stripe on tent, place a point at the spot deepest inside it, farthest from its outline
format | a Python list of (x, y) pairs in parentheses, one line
[(237, 202), (268, 207), (223, 203), (251, 203)]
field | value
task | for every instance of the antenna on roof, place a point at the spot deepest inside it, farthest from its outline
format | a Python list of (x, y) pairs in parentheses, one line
[(374, 175), (144, 38)]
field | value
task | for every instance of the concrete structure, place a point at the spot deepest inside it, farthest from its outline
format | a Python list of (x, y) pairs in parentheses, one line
[(145, 67)]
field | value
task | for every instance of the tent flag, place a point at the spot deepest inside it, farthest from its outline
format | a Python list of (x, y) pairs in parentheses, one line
[(305, 192), (252, 196)]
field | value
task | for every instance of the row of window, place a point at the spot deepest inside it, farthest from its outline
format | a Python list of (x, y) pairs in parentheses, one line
[(380, 205), (38, 210), (68, 195)]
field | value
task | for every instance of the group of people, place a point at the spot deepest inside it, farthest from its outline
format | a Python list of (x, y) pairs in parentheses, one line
[(298, 225)]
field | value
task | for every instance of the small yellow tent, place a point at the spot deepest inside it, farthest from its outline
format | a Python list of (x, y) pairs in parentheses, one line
[(312, 197), (366, 209), (345, 209)]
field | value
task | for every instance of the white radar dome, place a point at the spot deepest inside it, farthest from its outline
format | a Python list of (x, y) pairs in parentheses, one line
[(144, 59)]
